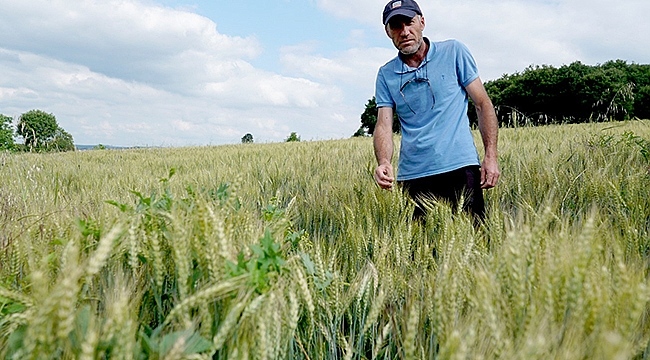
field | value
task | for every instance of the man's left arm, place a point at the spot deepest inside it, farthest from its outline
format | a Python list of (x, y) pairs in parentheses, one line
[(488, 125)]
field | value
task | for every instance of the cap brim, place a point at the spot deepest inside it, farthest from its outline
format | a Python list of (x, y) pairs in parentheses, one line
[(404, 12)]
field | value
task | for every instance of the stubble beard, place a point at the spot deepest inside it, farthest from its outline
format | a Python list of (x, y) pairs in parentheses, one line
[(412, 49)]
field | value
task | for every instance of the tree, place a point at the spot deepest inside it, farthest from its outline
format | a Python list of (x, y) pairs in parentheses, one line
[(6, 133), (293, 137), (37, 128), (573, 93), (642, 103), (369, 119), (360, 132), (62, 141), (247, 139)]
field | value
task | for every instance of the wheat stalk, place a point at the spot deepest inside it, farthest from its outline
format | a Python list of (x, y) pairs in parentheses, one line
[(208, 294), (304, 290), (409, 342), (227, 326), (103, 251)]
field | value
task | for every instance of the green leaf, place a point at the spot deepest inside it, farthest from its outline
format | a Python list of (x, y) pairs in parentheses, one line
[(194, 343), (123, 207), (257, 250), (82, 323), (197, 344), (13, 308), (15, 341), (83, 319), (309, 265), (149, 343)]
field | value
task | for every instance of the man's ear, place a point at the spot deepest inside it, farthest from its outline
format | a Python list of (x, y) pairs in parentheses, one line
[(387, 29)]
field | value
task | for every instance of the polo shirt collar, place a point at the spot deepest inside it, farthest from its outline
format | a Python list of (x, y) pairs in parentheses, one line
[(402, 68)]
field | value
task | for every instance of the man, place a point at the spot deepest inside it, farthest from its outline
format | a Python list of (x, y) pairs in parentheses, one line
[(428, 84)]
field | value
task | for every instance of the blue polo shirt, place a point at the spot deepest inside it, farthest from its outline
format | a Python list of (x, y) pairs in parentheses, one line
[(431, 103)]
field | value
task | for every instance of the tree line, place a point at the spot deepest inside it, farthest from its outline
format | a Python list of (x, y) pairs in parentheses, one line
[(39, 130), (574, 93), (293, 137)]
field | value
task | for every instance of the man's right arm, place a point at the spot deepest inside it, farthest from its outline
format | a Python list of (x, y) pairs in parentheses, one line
[(383, 143)]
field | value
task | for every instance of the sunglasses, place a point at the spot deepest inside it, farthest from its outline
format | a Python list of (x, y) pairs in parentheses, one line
[(415, 82)]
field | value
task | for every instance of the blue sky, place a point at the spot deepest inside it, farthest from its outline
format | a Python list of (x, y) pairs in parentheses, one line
[(183, 72), (275, 23)]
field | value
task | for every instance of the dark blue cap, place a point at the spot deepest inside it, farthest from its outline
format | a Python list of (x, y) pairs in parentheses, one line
[(401, 7)]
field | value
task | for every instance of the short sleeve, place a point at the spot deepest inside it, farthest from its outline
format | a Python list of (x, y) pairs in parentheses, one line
[(382, 94), (465, 65)]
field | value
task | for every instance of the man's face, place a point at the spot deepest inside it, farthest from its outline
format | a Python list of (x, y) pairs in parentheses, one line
[(406, 33)]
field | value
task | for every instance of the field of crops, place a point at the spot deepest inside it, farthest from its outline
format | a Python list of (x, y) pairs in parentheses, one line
[(290, 251)]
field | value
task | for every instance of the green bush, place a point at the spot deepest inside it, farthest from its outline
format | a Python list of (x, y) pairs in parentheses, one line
[(6, 133)]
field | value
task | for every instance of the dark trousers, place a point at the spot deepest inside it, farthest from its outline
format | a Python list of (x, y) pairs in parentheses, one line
[(451, 186)]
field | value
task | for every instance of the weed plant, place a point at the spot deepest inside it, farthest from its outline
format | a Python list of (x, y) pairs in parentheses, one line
[(289, 251)]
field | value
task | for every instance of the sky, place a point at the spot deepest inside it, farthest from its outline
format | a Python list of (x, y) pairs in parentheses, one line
[(207, 72)]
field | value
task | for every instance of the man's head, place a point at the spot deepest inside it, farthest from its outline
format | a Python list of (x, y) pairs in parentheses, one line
[(404, 25)]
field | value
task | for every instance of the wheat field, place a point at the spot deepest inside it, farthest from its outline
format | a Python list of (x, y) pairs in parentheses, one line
[(290, 251)]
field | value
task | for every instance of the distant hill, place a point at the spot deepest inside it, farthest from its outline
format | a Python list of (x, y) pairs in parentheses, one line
[(91, 147)]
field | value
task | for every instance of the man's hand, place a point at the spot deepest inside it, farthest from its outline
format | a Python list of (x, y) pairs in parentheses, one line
[(384, 176), (489, 173)]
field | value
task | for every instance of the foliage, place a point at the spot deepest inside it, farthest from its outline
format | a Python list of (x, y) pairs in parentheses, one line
[(6, 133), (247, 139), (41, 132), (360, 133), (573, 93), (61, 141), (642, 102), (369, 120), (266, 260), (292, 137), (284, 254), (628, 139), (37, 128)]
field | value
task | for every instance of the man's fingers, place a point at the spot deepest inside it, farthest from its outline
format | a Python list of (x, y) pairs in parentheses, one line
[(385, 182), (487, 185), (384, 177), (489, 181)]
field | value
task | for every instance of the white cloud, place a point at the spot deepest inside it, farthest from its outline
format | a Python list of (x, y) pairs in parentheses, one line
[(96, 108), (132, 72), (509, 35), (124, 72), (122, 38), (148, 30), (354, 68)]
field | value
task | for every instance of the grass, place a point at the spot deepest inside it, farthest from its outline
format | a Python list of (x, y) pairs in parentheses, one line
[(289, 250)]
